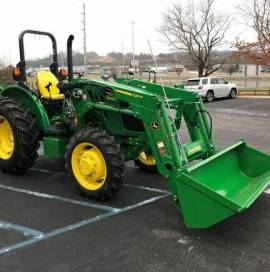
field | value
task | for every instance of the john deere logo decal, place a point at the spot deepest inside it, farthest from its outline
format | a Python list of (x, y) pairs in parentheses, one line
[(155, 125)]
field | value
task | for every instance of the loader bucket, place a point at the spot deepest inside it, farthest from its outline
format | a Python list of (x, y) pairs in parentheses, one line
[(222, 185)]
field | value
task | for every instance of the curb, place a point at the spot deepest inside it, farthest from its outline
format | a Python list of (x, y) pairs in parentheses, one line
[(254, 96)]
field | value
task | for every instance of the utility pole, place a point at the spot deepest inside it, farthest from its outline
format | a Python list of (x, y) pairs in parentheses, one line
[(133, 53), (84, 38), (123, 52)]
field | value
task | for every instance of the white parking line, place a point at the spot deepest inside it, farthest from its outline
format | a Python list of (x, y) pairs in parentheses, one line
[(125, 184), (60, 198), (39, 236), (72, 227), (21, 229)]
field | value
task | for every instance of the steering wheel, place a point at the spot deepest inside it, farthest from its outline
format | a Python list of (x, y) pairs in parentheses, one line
[(79, 75)]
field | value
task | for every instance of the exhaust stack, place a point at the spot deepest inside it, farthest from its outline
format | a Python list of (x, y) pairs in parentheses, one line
[(69, 57)]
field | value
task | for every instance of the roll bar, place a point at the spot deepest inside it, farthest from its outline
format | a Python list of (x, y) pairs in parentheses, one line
[(22, 65)]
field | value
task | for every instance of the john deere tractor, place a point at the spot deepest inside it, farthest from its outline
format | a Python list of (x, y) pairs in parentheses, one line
[(98, 125)]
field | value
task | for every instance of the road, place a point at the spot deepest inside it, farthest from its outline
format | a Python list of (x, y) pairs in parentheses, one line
[(46, 226)]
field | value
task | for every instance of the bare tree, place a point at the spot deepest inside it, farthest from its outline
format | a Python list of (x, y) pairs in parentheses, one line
[(198, 30), (257, 16)]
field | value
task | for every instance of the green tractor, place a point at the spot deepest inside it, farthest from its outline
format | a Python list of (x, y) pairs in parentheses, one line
[(98, 125)]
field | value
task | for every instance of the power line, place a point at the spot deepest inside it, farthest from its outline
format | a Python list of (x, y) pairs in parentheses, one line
[(133, 48), (123, 64)]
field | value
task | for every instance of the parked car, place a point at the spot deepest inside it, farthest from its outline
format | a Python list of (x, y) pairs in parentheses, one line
[(211, 87)]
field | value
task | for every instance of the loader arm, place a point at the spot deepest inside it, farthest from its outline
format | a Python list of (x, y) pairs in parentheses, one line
[(143, 102), (207, 185)]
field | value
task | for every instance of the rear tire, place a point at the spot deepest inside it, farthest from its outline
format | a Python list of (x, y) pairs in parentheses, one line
[(95, 164), (19, 138), (233, 94), (209, 96)]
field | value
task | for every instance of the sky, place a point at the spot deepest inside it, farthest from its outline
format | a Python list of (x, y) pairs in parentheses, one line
[(108, 25)]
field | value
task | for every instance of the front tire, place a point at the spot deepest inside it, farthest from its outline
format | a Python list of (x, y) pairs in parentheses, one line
[(95, 164), (146, 162), (19, 138)]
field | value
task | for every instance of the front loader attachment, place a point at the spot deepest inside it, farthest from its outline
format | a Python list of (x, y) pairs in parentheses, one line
[(222, 185)]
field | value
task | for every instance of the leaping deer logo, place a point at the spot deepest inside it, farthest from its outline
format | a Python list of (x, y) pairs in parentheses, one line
[(155, 125)]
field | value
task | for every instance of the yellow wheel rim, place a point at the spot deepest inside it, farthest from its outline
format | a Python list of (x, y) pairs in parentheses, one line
[(146, 159), (89, 166), (6, 139)]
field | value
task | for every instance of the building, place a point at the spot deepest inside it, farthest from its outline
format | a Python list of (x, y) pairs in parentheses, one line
[(250, 69)]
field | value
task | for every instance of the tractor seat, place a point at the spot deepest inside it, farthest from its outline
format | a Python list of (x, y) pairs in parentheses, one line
[(47, 86)]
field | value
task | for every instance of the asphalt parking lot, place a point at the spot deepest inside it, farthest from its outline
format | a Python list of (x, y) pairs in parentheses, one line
[(46, 226)]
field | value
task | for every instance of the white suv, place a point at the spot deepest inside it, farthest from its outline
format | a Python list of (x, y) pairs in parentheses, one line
[(211, 87)]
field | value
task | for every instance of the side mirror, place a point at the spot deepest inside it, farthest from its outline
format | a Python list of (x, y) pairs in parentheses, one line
[(226, 82)]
